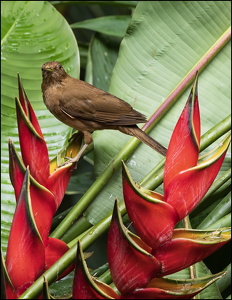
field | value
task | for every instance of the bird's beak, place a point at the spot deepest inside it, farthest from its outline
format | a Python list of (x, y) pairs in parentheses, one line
[(49, 70)]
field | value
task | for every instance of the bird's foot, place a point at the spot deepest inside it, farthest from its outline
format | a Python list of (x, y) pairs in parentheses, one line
[(74, 159), (70, 160)]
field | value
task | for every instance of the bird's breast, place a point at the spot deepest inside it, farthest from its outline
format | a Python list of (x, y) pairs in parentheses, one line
[(51, 99)]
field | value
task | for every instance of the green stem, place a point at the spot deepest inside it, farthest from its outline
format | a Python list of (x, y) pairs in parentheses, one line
[(155, 177), (80, 226), (106, 277), (223, 222), (215, 132), (217, 213)]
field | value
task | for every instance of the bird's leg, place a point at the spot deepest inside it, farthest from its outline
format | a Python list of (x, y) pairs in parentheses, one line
[(75, 158), (87, 139)]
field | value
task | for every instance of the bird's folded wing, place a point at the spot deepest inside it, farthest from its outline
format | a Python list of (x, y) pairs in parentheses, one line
[(103, 108)]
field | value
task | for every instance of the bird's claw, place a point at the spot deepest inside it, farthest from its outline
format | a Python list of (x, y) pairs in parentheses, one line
[(69, 161), (74, 159), (69, 158)]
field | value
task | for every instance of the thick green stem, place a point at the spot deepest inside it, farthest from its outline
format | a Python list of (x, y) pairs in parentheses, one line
[(215, 132), (76, 229), (223, 222), (217, 213)]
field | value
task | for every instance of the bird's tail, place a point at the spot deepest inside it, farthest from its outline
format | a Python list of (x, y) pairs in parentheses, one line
[(143, 137)]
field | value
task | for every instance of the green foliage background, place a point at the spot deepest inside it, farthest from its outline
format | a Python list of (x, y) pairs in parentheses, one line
[(139, 51)]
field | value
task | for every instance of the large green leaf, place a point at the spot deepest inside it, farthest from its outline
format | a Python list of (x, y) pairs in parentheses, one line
[(33, 32), (112, 25), (164, 42), (103, 52)]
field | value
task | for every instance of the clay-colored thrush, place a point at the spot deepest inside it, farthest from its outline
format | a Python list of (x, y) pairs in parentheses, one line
[(87, 108)]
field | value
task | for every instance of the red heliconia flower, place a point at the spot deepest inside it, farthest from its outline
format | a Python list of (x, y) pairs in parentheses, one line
[(133, 269), (39, 187), (137, 263), (170, 245)]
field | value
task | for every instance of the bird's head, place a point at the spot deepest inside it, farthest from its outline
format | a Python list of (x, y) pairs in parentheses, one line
[(53, 72)]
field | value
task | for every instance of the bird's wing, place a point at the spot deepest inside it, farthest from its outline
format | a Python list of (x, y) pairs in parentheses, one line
[(102, 108)]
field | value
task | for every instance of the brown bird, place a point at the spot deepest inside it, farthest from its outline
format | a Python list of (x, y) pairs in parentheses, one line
[(86, 108)]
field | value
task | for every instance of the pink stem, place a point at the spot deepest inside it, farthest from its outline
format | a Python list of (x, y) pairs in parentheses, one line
[(173, 96)]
